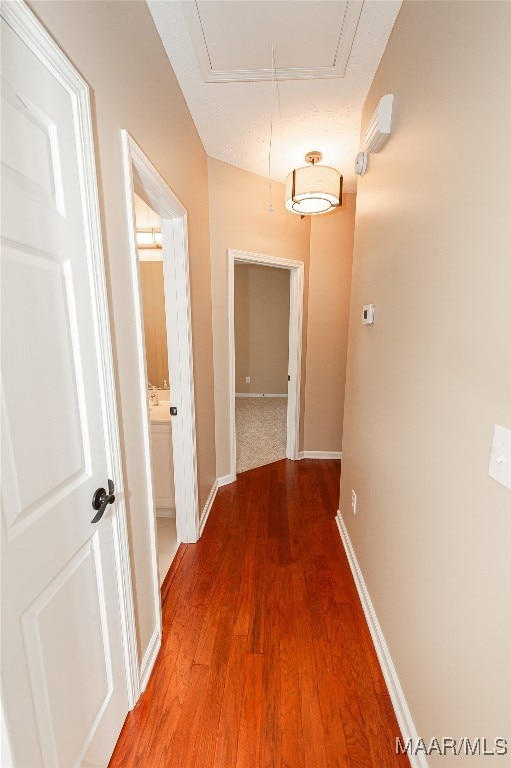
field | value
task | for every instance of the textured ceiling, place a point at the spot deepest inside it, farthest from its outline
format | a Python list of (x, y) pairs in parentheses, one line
[(326, 55)]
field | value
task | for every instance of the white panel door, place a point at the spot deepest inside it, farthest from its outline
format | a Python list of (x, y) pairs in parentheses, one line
[(63, 676)]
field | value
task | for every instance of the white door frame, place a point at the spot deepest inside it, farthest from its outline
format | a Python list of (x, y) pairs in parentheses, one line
[(296, 272), (141, 176)]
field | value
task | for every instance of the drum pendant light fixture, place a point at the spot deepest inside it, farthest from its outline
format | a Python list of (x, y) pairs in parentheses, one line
[(313, 189)]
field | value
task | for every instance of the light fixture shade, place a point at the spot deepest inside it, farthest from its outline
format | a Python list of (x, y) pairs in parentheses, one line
[(313, 189)]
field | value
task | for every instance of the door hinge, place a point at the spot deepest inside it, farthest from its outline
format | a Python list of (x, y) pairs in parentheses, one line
[(173, 410)]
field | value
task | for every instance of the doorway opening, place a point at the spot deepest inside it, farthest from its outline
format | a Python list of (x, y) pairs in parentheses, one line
[(270, 374), (261, 346), (158, 387), (142, 179)]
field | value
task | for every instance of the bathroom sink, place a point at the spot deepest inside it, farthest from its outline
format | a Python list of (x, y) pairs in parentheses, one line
[(160, 412)]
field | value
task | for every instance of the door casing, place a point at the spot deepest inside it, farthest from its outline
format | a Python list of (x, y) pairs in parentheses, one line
[(141, 177), (296, 273)]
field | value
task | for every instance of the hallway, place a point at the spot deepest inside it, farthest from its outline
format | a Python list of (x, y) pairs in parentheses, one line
[(266, 658)]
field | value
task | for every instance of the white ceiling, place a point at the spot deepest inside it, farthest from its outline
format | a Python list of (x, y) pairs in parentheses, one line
[(326, 55)]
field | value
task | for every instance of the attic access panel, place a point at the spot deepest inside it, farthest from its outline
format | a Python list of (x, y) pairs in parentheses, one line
[(233, 40)]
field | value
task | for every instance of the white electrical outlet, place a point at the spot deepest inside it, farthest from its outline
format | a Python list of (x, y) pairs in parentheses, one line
[(354, 502), (247, 379)]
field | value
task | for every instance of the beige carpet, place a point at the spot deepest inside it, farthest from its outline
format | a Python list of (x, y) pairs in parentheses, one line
[(261, 431)]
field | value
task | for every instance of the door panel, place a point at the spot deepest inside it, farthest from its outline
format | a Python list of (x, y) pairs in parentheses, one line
[(45, 411), (64, 684), (77, 658), (30, 149)]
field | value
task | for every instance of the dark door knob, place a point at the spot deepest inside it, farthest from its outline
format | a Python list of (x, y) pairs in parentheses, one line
[(101, 499)]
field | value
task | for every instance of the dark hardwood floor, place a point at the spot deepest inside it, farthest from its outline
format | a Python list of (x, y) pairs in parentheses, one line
[(266, 660)]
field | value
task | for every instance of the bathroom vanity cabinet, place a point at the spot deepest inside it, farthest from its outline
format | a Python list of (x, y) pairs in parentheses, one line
[(163, 468)]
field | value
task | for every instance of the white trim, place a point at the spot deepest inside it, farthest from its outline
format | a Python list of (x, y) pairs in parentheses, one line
[(109, 404), (28, 28), (296, 273), (207, 507), (320, 454), (178, 311), (232, 366), (179, 329), (257, 394), (225, 480), (403, 715), (295, 358), (142, 391), (148, 662), (141, 176), (210, 75)]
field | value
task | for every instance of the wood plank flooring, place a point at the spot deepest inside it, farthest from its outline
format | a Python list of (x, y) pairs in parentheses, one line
[(266, 660)]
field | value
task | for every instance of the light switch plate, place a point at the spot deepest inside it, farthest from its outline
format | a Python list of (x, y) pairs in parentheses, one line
[(500, 459)]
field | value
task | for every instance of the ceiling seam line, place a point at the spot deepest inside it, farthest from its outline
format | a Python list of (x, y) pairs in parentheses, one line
[(203, 35), (340, 34)]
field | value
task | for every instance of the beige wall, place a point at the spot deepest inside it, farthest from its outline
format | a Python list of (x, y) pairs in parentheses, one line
[(133, 87), (428, 381), (261, 327), (331, 251), (239, 219)]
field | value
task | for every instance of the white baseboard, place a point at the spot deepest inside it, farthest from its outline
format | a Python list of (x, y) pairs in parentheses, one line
[(207, 508), (146, 667), (257, 394), (320, 455), (226, 480), (397, 696)]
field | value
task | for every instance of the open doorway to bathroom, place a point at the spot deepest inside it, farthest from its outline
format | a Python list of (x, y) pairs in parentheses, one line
[(148, 225), (143, 179)]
